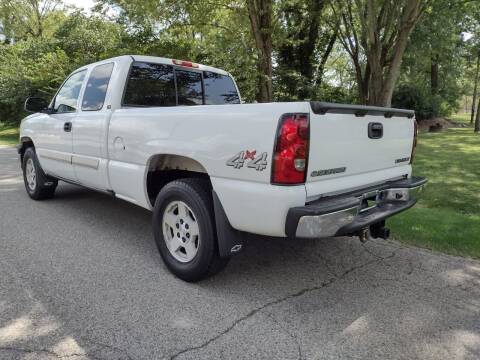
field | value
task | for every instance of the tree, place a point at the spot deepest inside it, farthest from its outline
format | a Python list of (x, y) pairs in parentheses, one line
[(29, 18), (29, 67), (213, 32), (475, 88), (303, 45), (375, 34), (86, 39), (437, 59), (477, 119), (282, 49), (474, 31), (260, 13), (36, 66)]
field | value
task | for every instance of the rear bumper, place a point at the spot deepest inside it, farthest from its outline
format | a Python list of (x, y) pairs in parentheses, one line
[(348, 213)]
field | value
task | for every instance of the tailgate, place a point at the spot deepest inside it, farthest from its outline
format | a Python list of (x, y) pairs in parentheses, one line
[(356, 146)]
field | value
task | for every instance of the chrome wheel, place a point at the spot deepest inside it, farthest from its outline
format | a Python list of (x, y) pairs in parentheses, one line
[(180, 231), (31, 175)]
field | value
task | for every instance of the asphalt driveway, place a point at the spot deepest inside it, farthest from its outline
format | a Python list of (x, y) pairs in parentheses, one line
[(80, 278)]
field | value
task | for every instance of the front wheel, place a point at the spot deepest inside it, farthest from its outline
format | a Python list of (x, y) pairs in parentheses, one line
[(39, 186), (184, 230)]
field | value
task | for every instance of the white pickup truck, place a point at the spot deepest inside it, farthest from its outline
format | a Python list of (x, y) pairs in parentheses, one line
[(172, 136)]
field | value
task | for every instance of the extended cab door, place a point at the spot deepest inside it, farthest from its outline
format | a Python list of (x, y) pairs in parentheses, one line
[(54, 140), (90, 128)]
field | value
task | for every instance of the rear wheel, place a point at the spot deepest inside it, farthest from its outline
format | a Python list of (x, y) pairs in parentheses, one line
[(184, 230), (39, 186)]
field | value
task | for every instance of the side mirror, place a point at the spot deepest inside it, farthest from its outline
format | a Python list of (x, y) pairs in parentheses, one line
[(35, 104)]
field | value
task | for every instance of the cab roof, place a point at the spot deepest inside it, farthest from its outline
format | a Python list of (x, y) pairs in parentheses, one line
[(161, 60)]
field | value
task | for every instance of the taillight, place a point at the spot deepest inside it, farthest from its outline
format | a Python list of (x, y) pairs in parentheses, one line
[(290, 156), (185, 63), (414, 144)]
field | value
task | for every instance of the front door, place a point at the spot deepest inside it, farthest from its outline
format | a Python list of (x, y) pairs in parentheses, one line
[(54, 141)]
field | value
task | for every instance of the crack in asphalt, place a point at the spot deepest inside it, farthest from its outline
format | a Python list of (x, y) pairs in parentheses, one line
[(290, 334), (370, 251), (280, 300), (252, 313), (327, 265)]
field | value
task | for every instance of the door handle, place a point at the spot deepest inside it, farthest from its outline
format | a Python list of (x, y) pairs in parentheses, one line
[(67, 127)]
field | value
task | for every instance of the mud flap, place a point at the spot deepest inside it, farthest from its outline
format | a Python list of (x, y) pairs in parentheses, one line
[(230, 241)]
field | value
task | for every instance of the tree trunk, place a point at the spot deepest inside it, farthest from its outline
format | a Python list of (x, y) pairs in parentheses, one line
[(477, 119), (260, 14), (306, 50), (325, 56), (475, 88), (363, 81), (376, 85), (367, 26), (409, 20), (434, 74)]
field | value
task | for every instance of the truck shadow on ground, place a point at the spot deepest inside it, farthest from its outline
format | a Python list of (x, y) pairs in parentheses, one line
[(87, 280)]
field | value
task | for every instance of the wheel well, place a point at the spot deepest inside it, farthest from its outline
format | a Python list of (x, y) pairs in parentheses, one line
[(165, 168), (26, 143)]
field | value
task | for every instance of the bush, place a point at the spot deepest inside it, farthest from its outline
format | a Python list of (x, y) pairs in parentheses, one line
[(29, 68), (425, 104), (336, 94)]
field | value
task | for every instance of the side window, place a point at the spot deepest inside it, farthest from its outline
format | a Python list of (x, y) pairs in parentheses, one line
[(67, 96), (189, 87), (219, 89), (96, 89), (150, 85)]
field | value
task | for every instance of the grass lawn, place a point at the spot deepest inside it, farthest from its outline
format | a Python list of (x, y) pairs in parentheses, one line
[(461, 118), (8, 134), (447, 218)]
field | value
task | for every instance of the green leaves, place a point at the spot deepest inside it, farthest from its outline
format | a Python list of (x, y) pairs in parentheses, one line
[(30, 67), (320, 48), (38, 64)]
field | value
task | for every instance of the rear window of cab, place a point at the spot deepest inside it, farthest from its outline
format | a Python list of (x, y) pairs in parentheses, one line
[(151, 84)]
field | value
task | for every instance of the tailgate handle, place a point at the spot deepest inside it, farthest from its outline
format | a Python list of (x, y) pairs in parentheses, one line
[(375, 130)]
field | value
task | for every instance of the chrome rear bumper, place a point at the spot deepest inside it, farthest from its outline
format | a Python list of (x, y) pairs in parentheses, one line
[(346, 214)]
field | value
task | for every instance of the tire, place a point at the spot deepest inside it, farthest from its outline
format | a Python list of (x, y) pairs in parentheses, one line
[(184, 230), (39, 186)]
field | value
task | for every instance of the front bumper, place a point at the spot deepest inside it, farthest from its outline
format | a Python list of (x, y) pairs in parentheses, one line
[(349, 213)]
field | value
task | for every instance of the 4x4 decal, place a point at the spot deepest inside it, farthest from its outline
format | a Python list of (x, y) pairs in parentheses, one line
[(258, 163)]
